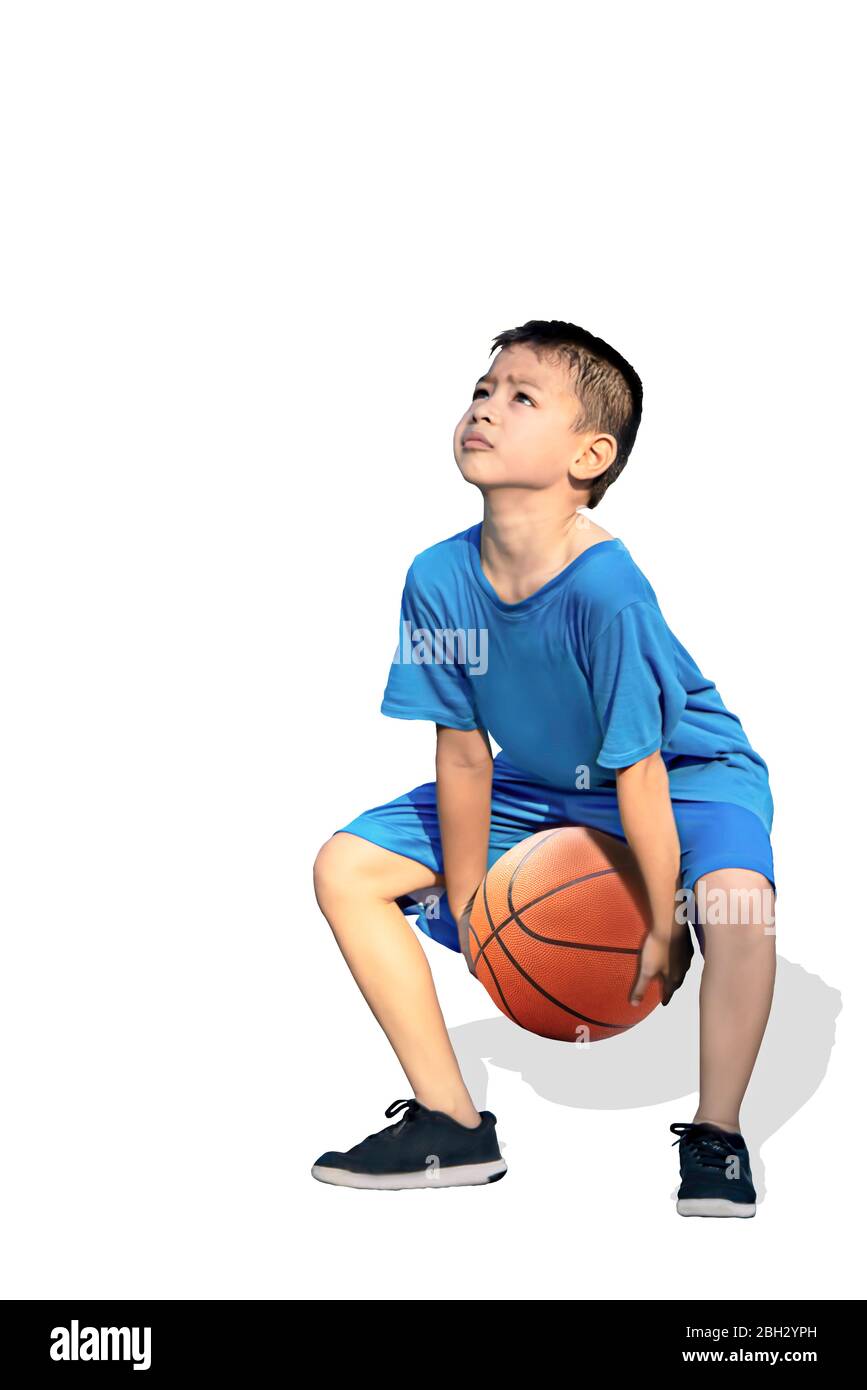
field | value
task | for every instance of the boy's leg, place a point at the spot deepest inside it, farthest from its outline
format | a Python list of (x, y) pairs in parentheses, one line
[(737, 988), (356, 885)]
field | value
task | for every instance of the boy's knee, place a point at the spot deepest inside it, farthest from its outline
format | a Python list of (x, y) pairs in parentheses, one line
[(739, 899), (326, 869), (339, 867)]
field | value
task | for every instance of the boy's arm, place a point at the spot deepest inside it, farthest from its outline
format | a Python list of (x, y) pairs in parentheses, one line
[(644, 802), (640, 697), (464, 773)]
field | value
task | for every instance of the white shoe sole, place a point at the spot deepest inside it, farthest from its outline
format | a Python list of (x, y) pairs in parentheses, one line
[(714, 1206), (461, 1175)]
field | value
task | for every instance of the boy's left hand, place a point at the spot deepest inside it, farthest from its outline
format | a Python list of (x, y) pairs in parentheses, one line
[(666, 955)]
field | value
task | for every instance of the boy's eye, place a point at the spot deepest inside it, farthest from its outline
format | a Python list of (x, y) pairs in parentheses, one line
[(481, 389)]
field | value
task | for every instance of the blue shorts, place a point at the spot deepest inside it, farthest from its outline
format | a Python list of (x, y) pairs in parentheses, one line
[(713, 835)]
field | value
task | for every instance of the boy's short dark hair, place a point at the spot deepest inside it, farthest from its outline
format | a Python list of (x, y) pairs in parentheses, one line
[(608, 389)]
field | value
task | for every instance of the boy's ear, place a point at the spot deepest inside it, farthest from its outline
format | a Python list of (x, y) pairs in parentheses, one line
[(595, 459)]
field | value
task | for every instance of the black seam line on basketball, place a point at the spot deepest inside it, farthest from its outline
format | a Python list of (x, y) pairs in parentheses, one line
[(585, 1018), (524, 857), (551, 891), (551, 940), (514, 916), (471, 932), (482, 956), (496, 931), (483, 948), (495, 936), (506, 1004)]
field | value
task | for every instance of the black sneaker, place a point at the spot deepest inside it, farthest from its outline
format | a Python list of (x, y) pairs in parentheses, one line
[(425, 1148), (715, 1172)]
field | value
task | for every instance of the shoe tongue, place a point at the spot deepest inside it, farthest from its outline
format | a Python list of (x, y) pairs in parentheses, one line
[(726, 1134)]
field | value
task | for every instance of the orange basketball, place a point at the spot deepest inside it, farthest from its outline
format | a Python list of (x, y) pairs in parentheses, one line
[(555, 935)]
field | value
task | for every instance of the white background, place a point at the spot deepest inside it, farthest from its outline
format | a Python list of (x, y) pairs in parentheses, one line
[(255, 255)]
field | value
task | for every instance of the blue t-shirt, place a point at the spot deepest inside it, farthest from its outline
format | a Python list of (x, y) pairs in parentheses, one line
[(582, 677)]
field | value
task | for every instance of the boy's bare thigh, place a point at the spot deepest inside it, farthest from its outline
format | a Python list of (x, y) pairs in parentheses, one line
[(348, 862)]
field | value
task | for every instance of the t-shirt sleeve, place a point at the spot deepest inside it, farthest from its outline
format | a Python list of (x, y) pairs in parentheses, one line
[(638, 695), (428, 677)]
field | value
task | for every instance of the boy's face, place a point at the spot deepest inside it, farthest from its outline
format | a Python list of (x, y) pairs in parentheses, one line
[(527, 422)]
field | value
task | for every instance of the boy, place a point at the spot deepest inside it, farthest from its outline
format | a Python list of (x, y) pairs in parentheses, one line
[(603, 719)]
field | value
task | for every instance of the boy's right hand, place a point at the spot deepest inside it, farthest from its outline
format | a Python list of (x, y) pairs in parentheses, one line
[(462, 918)]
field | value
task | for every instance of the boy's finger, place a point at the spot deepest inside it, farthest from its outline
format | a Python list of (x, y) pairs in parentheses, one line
[(638, 992)]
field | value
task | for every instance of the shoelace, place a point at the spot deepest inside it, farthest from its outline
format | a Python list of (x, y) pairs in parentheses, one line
[(412, 1109), (709, 1146)]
